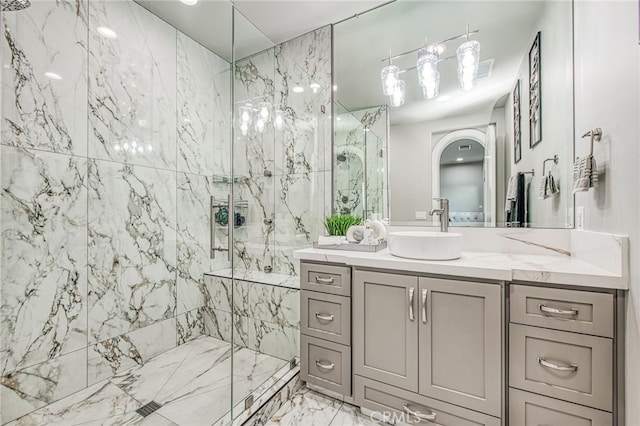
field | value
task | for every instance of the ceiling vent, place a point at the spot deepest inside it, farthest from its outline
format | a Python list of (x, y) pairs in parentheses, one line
[(485, 68), (464, 148)]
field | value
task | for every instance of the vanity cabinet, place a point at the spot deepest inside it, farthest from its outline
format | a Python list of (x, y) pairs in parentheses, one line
[(325, 326), (562, 357), (435, 337), (385, 328)]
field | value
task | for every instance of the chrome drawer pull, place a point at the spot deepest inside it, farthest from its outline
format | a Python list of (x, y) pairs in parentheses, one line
[(548, 310), (324, 280), (324, 317), (411, 314), (327, 367), (545, 363), (430, 416)]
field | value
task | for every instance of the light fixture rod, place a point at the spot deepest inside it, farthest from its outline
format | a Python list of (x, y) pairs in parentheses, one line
[(439, 60), (465, 35)]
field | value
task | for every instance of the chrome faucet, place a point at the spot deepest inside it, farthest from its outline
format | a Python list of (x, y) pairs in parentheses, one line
[(443, 212)]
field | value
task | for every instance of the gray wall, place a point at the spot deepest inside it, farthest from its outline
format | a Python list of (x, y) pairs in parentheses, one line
[(462, 184)]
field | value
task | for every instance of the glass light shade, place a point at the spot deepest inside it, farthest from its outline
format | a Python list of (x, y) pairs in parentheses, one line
[(430, 90), (397, 96), (278, 120), (427, 66), (468, 62), (245, 115), (264, 113), (244, 129), (260, 125), (390, 76)]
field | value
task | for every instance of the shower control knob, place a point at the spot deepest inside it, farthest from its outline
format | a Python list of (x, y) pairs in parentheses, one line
[(267, 173), (268, 221)]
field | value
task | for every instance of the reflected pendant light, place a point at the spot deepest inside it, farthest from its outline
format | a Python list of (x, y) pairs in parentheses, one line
[(397, 96), (430, 90), (390, 75), (468, 63)]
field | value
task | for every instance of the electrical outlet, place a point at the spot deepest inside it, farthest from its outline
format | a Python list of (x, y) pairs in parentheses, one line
[(421, 215), (568, 221), (580, 217)]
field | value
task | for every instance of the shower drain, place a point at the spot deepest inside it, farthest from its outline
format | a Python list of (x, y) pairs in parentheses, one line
[(147, 409)]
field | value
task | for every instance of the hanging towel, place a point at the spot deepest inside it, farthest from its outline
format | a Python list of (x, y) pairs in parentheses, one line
[(543, 191), (585, 174), (510, 198), (518, 216)]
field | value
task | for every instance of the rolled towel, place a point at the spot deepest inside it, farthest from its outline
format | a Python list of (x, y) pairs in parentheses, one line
[(333, 240)]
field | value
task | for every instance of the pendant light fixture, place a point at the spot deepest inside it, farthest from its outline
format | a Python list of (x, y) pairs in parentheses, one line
[(429, 56), (390, 76), (468, 63)]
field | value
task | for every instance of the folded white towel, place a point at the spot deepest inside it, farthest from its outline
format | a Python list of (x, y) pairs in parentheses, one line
[(585, 174), (331, 241)]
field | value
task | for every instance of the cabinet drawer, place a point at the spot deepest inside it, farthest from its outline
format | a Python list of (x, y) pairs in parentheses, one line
[(397, 404), (573, 367), (326, 364), (325, 278), (529, 409), (326, 316), (569, 310)]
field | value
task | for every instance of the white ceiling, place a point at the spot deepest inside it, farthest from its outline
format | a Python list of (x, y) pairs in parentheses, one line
[(360, 44), (259, 23)]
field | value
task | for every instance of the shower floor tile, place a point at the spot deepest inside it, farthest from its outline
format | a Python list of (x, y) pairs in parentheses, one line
[(192, 382)]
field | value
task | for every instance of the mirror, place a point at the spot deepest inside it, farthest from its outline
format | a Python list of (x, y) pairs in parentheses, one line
[(492, 132)]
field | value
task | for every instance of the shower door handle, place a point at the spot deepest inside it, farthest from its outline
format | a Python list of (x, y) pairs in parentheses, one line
[(230, 228)]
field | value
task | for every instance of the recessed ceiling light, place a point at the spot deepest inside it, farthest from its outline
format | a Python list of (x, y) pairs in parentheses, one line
[(315, 87), (52, 75), (338, 118), (298, 89), (459, 159), (190, 2), (107, 32), (335, 87)]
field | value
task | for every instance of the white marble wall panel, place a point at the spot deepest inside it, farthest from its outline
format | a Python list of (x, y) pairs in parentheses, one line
[(132, 86), (275, 340), (312, 52), (44, 256), (25, 390), (218, 292), (191, 324), (254, 241), (132, 248), (194, 220), (217, 324), (44, 90), (117, 354), (300, 211), (203, 109)]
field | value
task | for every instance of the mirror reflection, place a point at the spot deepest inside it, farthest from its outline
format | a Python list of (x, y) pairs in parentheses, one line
[(460, 100)]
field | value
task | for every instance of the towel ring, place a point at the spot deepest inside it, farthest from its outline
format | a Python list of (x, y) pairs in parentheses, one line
[(544, 163), (596, 135)]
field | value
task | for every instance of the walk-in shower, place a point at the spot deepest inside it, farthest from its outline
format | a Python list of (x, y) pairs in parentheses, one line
[(121, 143)]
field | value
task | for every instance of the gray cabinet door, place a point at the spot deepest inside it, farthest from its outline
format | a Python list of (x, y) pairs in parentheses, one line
[(385, 328), (460, 343)]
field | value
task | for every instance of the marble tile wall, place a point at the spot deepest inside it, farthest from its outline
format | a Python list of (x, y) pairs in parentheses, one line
[(286, 205), (110, 150), (361, 137)]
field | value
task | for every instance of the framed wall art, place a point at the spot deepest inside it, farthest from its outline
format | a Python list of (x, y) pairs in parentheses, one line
[(517, 136), (535, 104)]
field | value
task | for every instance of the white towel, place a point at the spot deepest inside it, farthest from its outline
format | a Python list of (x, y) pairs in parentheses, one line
[(543, 191), (585, 174), (511, 194)]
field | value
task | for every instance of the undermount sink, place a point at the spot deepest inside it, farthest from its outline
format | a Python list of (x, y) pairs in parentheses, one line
[(425, 245)]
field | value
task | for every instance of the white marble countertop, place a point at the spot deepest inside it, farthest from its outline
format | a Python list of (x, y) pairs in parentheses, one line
[(483, 265)]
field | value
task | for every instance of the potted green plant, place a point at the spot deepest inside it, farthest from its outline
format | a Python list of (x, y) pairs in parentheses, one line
[(338, 224)]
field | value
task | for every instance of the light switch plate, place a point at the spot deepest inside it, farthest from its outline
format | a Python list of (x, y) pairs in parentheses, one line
[(580, 217), (421, 215), (568, 221)]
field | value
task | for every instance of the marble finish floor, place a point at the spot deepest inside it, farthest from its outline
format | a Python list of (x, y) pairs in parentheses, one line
[(192, 382), (309, 408)]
